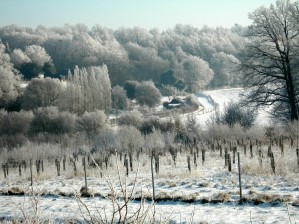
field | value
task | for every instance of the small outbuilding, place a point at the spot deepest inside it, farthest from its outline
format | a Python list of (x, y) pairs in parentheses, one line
[(174, 103)]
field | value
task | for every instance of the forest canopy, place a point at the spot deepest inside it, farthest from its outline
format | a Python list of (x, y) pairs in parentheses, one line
[(166, 58)]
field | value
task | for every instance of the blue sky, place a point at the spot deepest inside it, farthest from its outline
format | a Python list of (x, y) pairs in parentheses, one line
[(162, 14)]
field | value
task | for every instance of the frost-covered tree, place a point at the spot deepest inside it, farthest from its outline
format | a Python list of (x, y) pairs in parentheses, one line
[(119, 98), (32, 61), (37, 55), (128, 52), (90, 123), (193, 71), (226, 72), (13, 123), (87, 89), (148, 94), (154, 141), (44, 120), (147, 63), (235, 113), (130, 118), (9, 79), (18, 57), (150, 124), (42, 93), (270, 62), (130, 139), (130, 87)]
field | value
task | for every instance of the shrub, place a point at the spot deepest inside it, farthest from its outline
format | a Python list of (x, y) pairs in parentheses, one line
[(15, 122), (130, 87), (192, 100), (149, 124), (133, 118), (234, 113), (64, 123), (147, 94), (44, 120), (91, 122)]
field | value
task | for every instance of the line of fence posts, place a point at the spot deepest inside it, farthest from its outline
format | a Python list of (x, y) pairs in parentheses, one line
[(227, 163)]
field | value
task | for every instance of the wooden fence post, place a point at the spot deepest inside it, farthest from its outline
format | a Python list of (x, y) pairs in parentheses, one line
[(229, 163), (272, 162), (260, 157), (20, 169), (6, 165), (57, 164), (131, 161), (153, 180), (4, 170), (251, 152), (297, 152), (220, 148), (282, 147), (225, 157), (75, 166), (188, 162), (234, 154), (63, 163), (240, 183), (31, 178), (194, 159), (85, 173), (269, 151), (126, 162)]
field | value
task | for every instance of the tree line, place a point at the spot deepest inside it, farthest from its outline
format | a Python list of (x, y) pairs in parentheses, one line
[(101, 68), (185, 56)]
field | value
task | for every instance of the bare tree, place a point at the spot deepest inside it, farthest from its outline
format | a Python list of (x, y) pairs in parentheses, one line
[(269, 62)]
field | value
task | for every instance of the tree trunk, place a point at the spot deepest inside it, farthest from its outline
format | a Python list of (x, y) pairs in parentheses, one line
[(131, 161), (291, 90)]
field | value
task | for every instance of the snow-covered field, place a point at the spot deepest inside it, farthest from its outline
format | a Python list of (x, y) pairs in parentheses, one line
[(202, 187), (207, 194)]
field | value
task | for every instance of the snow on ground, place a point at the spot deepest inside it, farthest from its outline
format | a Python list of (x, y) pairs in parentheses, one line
[(223, 96), (172, 212), (212, 98), (206, 180)]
